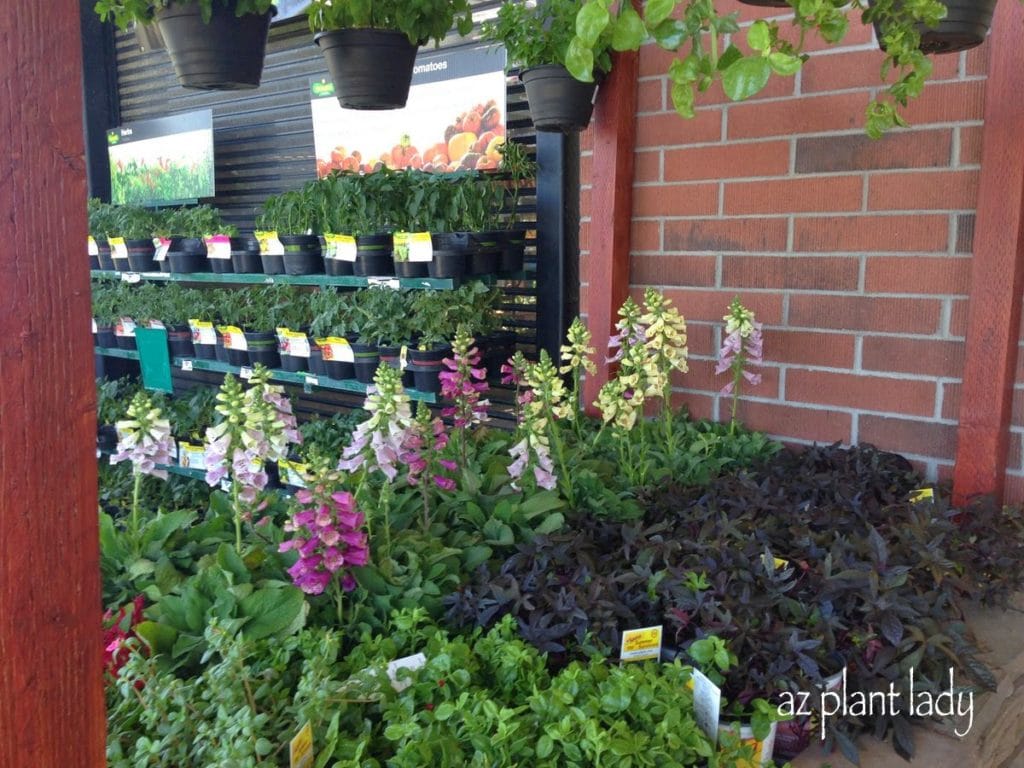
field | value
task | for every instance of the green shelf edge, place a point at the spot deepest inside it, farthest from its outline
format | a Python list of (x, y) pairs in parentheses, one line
[(302, 379), (128, 354), (422, 283)]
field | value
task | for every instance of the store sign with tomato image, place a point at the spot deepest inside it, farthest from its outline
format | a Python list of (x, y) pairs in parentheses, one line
[(454, 119)]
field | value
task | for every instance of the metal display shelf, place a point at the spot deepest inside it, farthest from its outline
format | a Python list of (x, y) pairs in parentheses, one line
[(436, 284), (128, 354), (306, 380)]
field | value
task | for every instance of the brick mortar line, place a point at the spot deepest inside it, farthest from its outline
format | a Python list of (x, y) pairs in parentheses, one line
[(808, 292), (804, 215)]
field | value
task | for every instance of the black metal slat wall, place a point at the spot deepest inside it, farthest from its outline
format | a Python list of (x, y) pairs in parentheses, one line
[(263, 144)]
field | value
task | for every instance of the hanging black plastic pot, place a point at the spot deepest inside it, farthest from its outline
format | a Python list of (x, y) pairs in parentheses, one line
[(302, 255), (766, 3), (371, 68), (262, 348), (224, 55), (245, 255), (966, 25), (187, 255), (558, 101), (140, 255)]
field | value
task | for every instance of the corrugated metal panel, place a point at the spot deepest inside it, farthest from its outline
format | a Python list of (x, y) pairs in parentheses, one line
[(264, 138)]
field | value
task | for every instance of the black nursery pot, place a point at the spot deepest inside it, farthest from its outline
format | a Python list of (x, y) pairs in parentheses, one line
[(334, 267), (965, 26), (411, 268), (294, 364), (425, 378), (222, 266), (220, 350), (225, 54), (187, 255), (302, 255), (338, 369), (272, 265), (106, 438), (367, 358), (125, 342), (371, 68), (316, 360), (121, 264), (263, 348), (179, 341), (373, 256), (485, 256), (140, 255), (558, 101), (433, 356), (245, 255), (512, 256), (452, 251), (105, 336), (103, 258)]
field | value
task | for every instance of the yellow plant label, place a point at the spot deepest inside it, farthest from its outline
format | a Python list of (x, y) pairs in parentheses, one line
[(218, 247), (270, 245), (94, 249), (292, 343), (641, 644), (340, 247), (336, 348), (300, 750), (233, 337), (420, 247), (117, 245), (922, 494)]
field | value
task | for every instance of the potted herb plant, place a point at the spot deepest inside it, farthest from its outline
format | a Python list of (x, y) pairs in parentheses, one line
[(333, 328), (293, 217), (213, 44), (290, 317), (370, 47), (135, 227), (186, 228), (100, 214), (179, 305), (381, 316), (521, 170), (538, 41), (104, 316), (432, 319)]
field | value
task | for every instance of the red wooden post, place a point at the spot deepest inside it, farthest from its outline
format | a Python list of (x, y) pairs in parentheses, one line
[(997, 271), (611, 209), (51, 694)]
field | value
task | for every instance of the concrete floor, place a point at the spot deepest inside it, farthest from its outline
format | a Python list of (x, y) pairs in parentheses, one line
[(996, 740)]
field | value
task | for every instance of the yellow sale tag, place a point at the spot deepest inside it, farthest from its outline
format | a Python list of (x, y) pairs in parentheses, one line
[(270, 245), (922, 494), (301, 748), (641, 644)]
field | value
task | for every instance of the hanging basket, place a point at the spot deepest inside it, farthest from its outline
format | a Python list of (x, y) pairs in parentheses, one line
[(766, 3), (558, 101), (965, 26), (371, 68), (224, 55)]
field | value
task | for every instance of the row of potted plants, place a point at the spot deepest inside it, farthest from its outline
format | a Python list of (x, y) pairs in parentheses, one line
[(563, 46), (769, 570), (408, 223), (328, 333)]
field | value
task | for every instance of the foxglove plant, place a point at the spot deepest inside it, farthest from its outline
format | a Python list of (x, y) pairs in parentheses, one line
[(665, 345), (464, 383), (513, 373), (381, 440), (742, 347), (543, 404), (144, 439), (423, 455), (576, 358), (257, 426), (328, 537)]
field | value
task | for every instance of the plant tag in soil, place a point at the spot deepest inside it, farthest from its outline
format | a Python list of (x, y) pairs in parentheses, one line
[(420, 247), (300, 749), (245, 372), (233, 338), (922, 494), (218, 247), (340, 247), (403, 358), (707, 704), (270, 245), (191, 456), (202, 332), (155, 324), (385, 282), (131, 277), (118, 248), (94, 249), (125, 327), (641, 644), (186, 365), (294, 472), (162, 246), (335, 348), (414, 662), (292, 343)]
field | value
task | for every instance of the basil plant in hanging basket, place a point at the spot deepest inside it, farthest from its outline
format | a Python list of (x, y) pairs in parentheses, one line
[(370, 45), (214, 45), (537, 40)]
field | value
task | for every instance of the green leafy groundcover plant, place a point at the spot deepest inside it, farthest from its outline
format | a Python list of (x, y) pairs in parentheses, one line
[(124, 12)]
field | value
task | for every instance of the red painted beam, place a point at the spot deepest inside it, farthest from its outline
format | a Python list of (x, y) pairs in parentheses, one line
[(51, 690), (997, 271), (611, 209)]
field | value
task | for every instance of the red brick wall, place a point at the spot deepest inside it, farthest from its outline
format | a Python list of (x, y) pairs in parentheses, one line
[(854, 253)]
